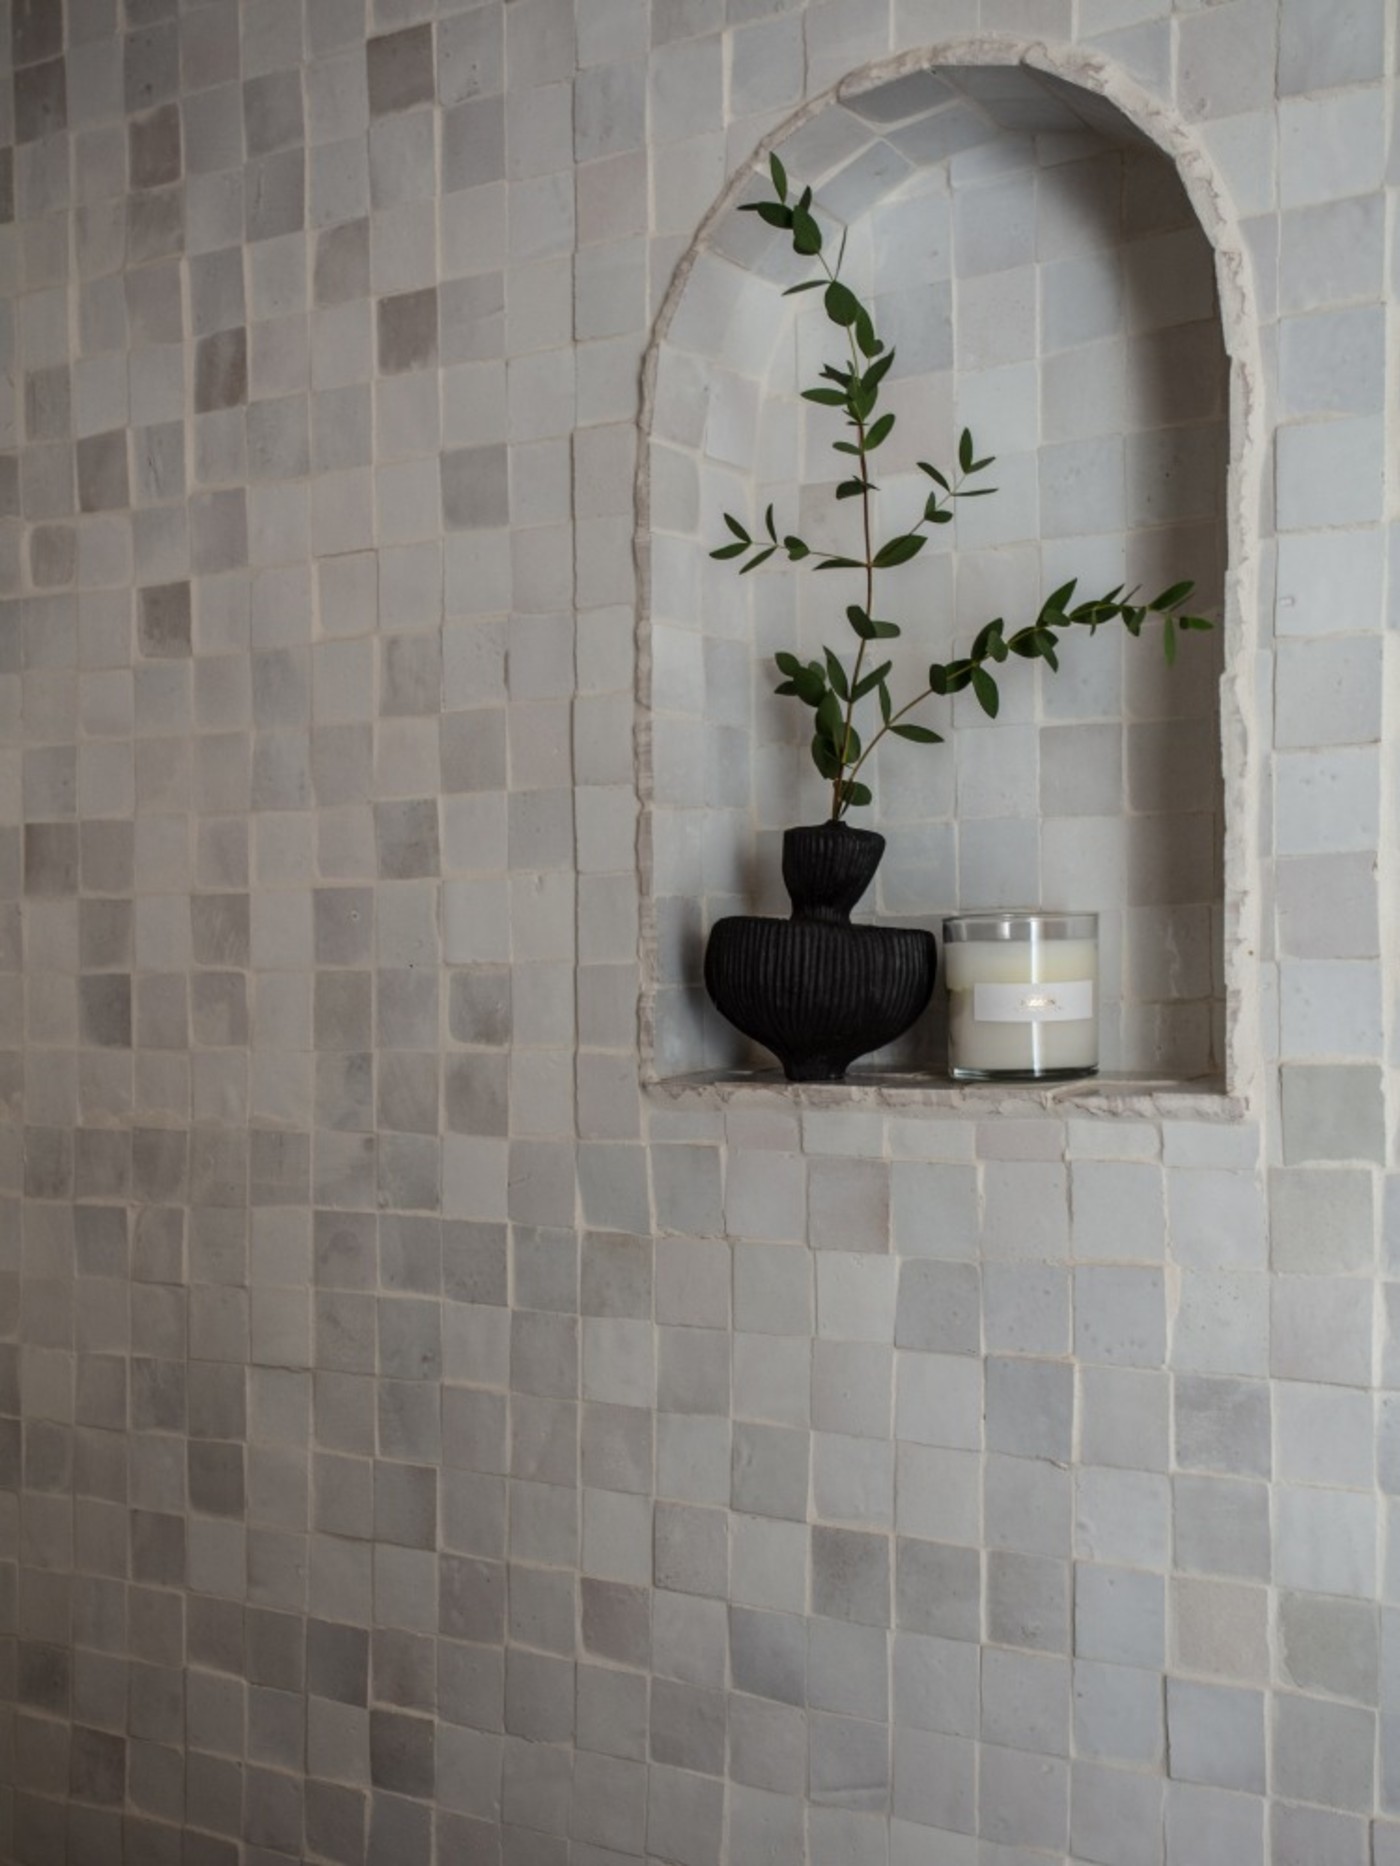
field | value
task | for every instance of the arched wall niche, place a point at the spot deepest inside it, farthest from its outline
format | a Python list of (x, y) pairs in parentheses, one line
[(1055, 263)]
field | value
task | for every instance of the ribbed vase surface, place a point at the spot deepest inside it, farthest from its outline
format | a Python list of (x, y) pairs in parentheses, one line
[(815, 990)]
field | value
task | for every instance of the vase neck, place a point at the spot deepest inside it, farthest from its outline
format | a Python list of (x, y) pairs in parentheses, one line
[(822, 913), (827, 868)]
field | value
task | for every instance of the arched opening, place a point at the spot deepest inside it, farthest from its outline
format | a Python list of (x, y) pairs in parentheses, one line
[(1039, 263)]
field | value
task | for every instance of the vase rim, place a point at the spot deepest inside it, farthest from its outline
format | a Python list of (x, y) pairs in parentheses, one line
[(815, 829)]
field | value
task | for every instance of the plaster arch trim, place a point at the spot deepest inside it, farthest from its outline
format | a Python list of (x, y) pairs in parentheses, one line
[(1241, 720)]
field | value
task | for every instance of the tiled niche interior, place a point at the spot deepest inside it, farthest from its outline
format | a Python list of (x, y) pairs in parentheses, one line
[(1035, 261)]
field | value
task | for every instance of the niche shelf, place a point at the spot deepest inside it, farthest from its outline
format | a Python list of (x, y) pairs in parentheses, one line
[(902, 1091)]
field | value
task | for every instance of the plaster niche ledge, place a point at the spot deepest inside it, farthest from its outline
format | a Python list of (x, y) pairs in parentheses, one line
[(1112, 1098), (1054, 261)]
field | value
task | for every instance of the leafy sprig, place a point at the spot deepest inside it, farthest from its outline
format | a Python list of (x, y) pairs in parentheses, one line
[(826, 686)]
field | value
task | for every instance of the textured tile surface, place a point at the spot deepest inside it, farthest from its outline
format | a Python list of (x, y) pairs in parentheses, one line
[(416, 1443)]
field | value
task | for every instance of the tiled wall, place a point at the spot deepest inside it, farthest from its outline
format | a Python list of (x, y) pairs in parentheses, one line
[(417, 1445)]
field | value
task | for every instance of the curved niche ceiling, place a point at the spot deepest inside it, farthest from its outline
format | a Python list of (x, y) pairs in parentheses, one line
[(1036, 264)]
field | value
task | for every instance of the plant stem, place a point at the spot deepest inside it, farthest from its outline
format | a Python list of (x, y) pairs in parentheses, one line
[(838, 808), (837, 805), (893, 720), (919, 698)]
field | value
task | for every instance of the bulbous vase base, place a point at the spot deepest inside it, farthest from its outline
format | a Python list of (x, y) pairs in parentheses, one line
[(815, 990), (818, 996)]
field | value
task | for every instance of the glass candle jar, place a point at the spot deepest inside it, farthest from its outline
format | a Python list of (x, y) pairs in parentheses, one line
[(1023, 995)]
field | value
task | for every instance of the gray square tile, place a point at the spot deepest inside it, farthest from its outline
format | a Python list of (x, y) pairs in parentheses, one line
[(400, 70), (475, 488), (154, 148), (103, 481), (408, 331)]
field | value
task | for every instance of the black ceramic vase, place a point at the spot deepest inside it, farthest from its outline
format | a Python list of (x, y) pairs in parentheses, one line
[(815, 990)]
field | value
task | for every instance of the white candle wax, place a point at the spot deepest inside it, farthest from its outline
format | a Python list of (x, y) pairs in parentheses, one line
[(1019, 1033)]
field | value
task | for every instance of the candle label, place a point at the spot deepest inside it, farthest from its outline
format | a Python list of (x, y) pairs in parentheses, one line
[(1062, 1001)]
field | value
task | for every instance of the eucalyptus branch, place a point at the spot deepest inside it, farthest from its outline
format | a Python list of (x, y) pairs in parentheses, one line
[(848, 725), (825, 686), (925, 734)]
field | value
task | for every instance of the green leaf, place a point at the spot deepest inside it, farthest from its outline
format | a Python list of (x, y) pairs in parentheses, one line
[(796, 549), (779, 174), (898, 550), (806, 234), (831, 372), (1054, 605), (807, 285), (787, 663), (836, 674), (840, 563), (871, 681), (829, 398), (771, 212), (730, 550), (982, 647), (842, 305), (885, 631), (1045, 647), (965, 453), (852, 488), (855, 795), (786, 687), (1169, 641), (867, 342), (846, 447), (878, 432), (830, 721), (810, 684), (826, 758), (934, 513), (761, 558), (1101, 610), (737, 528), (980, 466), (920, 735), (877, 372), (768, 524), (860, 622), (1194, 622), (934, 475), (886, 704), (976, 492), (1170, 598), (986, 690)]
